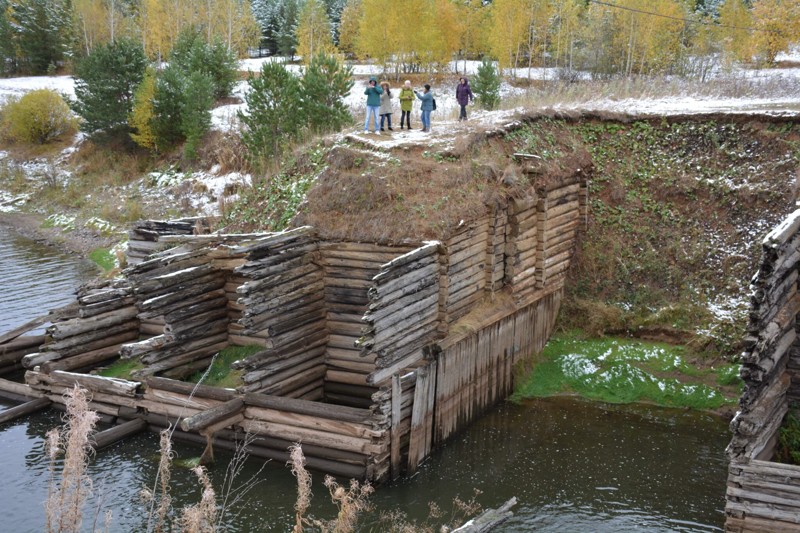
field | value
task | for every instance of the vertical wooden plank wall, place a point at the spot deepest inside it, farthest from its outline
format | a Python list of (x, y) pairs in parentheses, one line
[(477, 371), (349, 269)]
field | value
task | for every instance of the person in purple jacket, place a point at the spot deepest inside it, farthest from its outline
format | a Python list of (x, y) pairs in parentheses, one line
[(464, 96)]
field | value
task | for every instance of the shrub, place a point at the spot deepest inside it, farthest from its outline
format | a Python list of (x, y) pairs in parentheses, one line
[(38, 117), (167, 107), (105, 82), (486, 85)]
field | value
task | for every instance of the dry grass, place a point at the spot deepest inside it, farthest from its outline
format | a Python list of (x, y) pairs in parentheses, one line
[(740, 85), (66, 497), (351, 501), (201, 517)]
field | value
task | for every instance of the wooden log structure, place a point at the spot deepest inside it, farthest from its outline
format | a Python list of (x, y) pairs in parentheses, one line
[(26, 408), (371, 354), (762, 495)]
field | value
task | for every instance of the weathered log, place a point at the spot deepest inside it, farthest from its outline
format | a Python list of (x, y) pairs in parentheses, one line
[(286, 350), (213, 416), (88, 311), (267, 283), (183, 303), (92, 340), (74, 327), (489, 519), (135, 349), (185, 332), (256, 298), (381, 312), (110, 436), (197, 312), (178, 348), (283, 364), (297, 320), (305, 331), (25, 409), (301, 296), (87, 359), (21, 343), (297, 372), (179, 360), (114, 386), (198, 390), (389, 273)]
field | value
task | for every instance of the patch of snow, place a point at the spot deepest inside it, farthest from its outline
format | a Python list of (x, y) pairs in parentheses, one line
[(577, 366), (19, 86)]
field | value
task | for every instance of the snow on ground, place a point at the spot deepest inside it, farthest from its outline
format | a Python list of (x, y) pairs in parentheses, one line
[(691, 105), (20, 86), (202, 190)]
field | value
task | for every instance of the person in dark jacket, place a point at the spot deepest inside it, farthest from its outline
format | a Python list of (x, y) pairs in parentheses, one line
[(373, 92), (464, 96), (427, 106)]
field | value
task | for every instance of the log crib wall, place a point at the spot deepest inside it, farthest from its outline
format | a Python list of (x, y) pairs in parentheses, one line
[(372, 354), (763, 495)]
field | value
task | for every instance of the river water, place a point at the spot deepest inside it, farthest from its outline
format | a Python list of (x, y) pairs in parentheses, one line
[(573, 465)]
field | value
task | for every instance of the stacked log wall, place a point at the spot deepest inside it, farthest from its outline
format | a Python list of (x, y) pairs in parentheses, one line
[(284, 311), (144, 236), (12, 352), (523, 254), (761, 493), (349, 270), (335, 439), (561, 215), (468, 253), (106, 319), (181, 301)]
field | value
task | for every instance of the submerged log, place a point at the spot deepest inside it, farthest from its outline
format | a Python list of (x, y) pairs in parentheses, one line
[(108, 437), (489, 519), (24, 409)]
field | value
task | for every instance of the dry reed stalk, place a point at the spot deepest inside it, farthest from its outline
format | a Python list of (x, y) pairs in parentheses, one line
[(298, 463), (233, 495), (351, 503), (65, 504), (201, 518), (52, 447)]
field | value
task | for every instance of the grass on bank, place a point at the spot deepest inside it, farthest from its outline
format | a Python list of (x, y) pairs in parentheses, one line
[(624, 371), (121, 368), (221, 374)]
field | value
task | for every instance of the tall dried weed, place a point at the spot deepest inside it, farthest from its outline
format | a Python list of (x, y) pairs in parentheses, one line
[(67, 495)]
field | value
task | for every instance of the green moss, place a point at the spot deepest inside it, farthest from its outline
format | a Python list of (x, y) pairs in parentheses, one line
[(121, 368), (221, 373), (623, 371), (104, 258)]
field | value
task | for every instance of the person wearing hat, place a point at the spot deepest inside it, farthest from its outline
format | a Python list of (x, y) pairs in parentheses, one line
[(373, 92), (386, 105)]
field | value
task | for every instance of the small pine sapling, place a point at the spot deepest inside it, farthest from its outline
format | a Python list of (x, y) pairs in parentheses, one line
[(486, 85)]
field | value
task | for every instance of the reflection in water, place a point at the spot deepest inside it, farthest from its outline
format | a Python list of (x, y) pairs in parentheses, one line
[(573, 465), (35, 278)]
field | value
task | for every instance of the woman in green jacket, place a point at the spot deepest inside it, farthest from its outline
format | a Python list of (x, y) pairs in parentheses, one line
[(373, 92), (406, 103)]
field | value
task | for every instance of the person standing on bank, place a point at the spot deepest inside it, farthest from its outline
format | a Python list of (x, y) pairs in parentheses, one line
[(406, 103), (464, 96), (386, 105), (373, 92), (427, 107)]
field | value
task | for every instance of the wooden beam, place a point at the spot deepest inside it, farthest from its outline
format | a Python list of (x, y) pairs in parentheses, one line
[(24, 409)]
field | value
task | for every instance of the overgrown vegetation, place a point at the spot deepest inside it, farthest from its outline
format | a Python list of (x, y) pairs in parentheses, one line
[(221, 374), (121, 368), (788, 449), (625, 371)]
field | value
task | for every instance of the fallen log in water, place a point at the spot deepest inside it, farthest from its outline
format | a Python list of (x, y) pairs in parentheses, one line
[(24, 409), (110, 436)]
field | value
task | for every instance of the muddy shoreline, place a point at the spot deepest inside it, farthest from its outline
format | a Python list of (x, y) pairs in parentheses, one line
[(78, 242)]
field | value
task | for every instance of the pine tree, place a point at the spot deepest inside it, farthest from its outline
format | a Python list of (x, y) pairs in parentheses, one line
[(325, 85), (167, 107), (192, 53), (8, 41), (105, 82), (44, 29), (287, 23), (486, 85), (195, 106), (271, 120)]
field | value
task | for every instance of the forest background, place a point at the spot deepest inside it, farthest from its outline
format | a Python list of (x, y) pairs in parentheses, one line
[(688, 38)]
